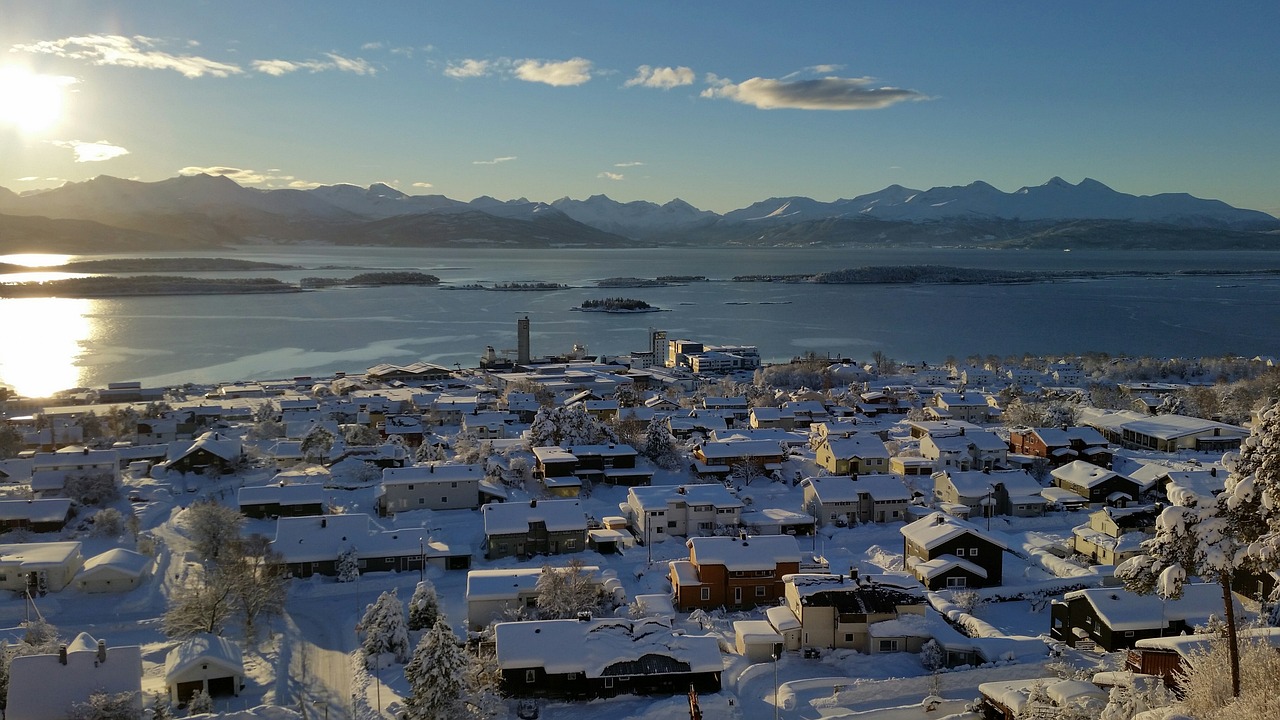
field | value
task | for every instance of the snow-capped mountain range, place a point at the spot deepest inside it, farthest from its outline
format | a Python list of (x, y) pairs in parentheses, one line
[(290, 214)]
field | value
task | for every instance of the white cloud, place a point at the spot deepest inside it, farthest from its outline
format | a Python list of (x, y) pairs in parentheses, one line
[(371, 46), (824, 69), (828, 93), (304, 185), (133, 52), (277, 68), (664, 78), (470, 68), (91, 151), (574, 71), (494, 161), (423, 185), (29, 178), (610, 176), (633, 163)]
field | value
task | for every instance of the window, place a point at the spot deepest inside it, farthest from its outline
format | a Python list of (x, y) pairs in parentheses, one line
[(658, 529), (888, 646), (530, 675), (422, 501), (571, 676), (759, 591), (1128, 633), (848, 637), (706, 593), (444, 498), (959, 552), (956, 582), (671, 523), (973, 552), (410, 487), (608, 682), (453, 484), (570, 544)]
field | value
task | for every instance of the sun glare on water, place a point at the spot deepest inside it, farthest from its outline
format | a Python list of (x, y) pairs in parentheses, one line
[(31, 102), (44, 360)]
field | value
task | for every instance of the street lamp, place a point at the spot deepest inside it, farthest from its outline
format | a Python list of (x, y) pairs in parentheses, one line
[(990, 508), (422, 559), (777, 653)]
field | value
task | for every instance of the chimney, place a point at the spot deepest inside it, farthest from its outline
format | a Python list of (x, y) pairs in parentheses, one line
[(1213, 472), (62, 654), (584, 616), (324, 522), (533, 503), (102, 651)]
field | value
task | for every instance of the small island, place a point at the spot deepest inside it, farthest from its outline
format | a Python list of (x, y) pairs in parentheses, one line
[(616, 305), (373, 279)]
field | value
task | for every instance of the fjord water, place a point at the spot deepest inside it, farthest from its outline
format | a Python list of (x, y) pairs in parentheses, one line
[(51, 344)]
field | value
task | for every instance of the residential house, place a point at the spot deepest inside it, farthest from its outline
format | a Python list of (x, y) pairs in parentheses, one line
[(837, 611), (609, 463), (116, 570), (212, 453), (856, 454), (500, 593), (38, 568), (977, 449), (410, 429), (807, 412), (771, 417), (49, 687), (947, 552), (431, 486), (1170, 657), (282, 500), (580, 659), (966, 406), (1045, 697), (1112, 618), (312, 546), (539, 527), (683, 427), (1095, 484), (203, 663), (842, 500), (733, 572), (1001, 492), (1062, 445), (37, 515), (557, 469), (682, 510), (1163, 433), (488, 425), (757, 640), (722, 458), (50, 471), (1115, 534)]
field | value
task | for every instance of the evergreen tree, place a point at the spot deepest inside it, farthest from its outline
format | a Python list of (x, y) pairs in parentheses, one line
[(384, 629), (565, 592), (424, 606), (660, 446), (316, 444), (437, 676), (199, 703), (348, 565)]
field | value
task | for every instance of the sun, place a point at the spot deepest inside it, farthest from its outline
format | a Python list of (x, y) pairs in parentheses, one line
[(31, 102)]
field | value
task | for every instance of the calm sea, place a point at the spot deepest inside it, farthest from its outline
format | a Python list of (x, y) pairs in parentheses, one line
[(50, 344)]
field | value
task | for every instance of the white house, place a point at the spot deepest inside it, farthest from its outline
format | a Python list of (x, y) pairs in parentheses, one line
[(39, 567), (48, 687), (49, 471), (661, 510), (206, 663), (430, 486), (841, 500), (116, 570)]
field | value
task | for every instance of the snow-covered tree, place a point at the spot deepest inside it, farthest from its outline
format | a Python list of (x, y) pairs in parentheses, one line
[(360, 435), (424, 606), (437, 676), (744, 473), (104, 706), (660, 446), (202, 604), (91, 488), (108, 523), (316, 444), (213, 528), (565, 426), (1206, 686), (565, 592), (932, 656), (348, 565), (10, 442), (199, 703), (384, 628)]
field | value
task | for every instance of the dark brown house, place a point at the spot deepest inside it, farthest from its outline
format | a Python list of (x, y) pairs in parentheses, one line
[(945, 552), (1112, 618)]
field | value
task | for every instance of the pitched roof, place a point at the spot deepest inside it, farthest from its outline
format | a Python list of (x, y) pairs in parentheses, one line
[(41, 687), (203, 648), (754, 552), (936, 528), (596, 648), (1083, 474), (512, 518)]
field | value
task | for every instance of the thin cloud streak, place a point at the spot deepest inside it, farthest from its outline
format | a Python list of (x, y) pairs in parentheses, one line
[(829, 93), (469, 68), (494, 161), (610, 176), (276, 68), (91, 151), (131, 52)]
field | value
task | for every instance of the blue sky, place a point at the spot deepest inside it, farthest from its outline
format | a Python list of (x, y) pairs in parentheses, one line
[(718, 103)]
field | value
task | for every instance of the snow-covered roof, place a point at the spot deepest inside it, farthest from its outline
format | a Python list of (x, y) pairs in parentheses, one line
[(39, 511), (755, 552), (595, 648), (203, 648), (936, 528), (781, 618), (36, 555), (41, 687), (1123, 610), (119, 559), (553, 454), (512, 518), (905, 625), (833, 488), (432, 472), (1082, 474), (657, 497), (1169, 427), (501, 584), (882, 487), (742, 448), (325, 537), (859, 446), (287, 494), (756, 632), (929, 569)]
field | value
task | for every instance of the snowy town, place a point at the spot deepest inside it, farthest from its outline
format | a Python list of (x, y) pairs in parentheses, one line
[(683, 531)]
